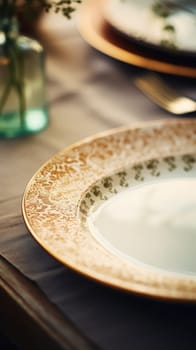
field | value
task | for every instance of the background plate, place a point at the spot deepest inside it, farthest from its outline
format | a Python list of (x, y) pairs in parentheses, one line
[(146, 22), (101, 36)]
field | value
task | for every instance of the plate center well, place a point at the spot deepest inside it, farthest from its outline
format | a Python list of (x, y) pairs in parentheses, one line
[(153, 224)]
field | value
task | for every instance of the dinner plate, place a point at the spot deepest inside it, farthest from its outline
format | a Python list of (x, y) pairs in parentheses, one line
[(167, 25), (100, 35), (120, 208)]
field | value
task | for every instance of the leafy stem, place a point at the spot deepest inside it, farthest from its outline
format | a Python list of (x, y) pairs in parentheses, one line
[(15, 68), (5, 95), (17, 78)]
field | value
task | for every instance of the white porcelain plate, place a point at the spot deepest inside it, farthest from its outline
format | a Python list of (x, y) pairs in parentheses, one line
[(120, 208), (168, 25)]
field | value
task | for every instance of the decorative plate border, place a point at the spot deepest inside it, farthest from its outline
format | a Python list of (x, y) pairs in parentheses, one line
[(52, 198), (125, 178)]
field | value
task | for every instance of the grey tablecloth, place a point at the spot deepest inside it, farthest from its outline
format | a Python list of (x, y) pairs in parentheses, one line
[(87, 93)]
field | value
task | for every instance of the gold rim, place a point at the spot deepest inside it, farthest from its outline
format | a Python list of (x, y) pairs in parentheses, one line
[(91, 27)]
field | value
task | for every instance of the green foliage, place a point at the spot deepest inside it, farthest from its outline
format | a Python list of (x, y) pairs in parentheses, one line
[(29, 8)]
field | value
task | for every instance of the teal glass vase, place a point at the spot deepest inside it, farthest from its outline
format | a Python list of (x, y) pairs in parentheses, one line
[(23, 109)]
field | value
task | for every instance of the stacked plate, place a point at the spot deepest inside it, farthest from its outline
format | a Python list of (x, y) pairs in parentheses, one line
[(152, 34)]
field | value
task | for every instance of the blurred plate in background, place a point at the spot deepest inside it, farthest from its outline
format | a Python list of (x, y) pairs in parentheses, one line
[(168, 26), (106, 39)]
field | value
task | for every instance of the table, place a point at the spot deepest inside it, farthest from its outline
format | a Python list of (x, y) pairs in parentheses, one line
[(42, 303)]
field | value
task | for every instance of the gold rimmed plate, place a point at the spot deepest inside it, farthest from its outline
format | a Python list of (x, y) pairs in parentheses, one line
[(168, 26), (119, 208), (106, 39)]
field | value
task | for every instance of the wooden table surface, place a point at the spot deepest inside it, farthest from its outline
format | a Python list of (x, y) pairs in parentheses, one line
[(42, 304)]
